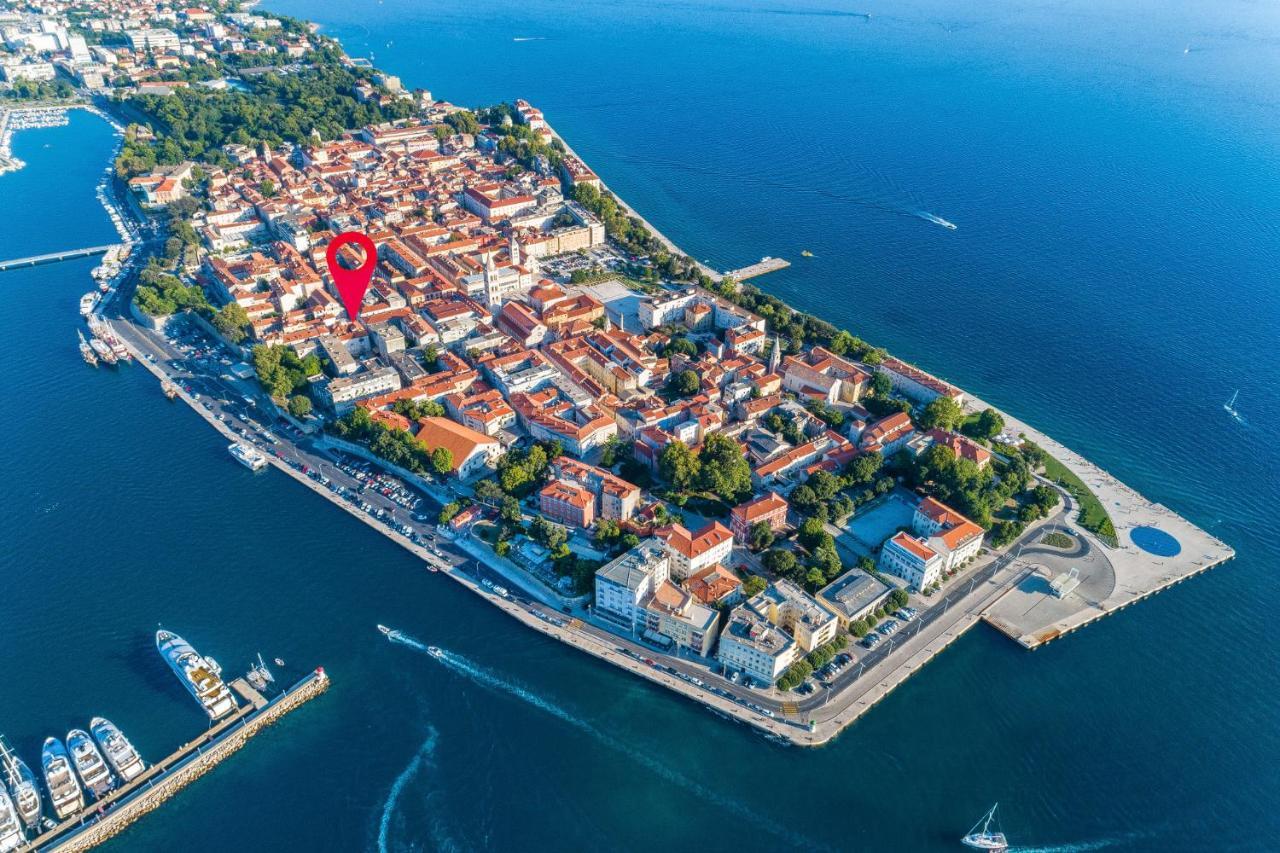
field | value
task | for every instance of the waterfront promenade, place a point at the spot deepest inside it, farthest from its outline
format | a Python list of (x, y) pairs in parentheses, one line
[(1032, 615)]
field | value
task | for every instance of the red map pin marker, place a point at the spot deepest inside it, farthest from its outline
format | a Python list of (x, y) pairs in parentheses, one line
[(352, 283)]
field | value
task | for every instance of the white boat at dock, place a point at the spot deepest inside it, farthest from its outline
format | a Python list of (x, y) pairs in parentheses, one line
[(22, 786), (87, 303), (120, 753), (247, 456), (86, 351), (200, 675), (60, 780), (102, 351), (91, 767)]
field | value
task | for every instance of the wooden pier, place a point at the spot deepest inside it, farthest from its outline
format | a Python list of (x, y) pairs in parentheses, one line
[(112, 814), (760, 267)]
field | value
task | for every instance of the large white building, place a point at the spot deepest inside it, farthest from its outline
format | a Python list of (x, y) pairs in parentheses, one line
[(789, 607), (945, 540), (634, 593), (911, 559), (344, 391), (753, 646)]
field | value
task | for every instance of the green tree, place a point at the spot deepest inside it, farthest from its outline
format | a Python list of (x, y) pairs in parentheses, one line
[(232, 321), (761, 536), (678, 465), (683, 384), (449, 511), (899, 598), (988, 425), (943, 413), (724, 469), (753, 586), (881, 384), (299, 406), (442, 460), (779, 561)]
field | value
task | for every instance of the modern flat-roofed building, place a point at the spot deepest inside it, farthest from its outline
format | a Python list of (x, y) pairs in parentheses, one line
[(853, 595), (749, 643), (791, 608)]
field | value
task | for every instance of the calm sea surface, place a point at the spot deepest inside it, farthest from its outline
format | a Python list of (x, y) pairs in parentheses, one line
[(1114, 172)]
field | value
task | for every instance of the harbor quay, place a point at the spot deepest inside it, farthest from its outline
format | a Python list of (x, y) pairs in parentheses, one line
[(115, 812)]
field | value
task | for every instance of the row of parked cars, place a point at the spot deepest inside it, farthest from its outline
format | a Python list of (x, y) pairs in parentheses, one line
[(889, 626)]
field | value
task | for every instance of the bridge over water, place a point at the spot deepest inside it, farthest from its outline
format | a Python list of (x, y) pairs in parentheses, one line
[(54, 257)]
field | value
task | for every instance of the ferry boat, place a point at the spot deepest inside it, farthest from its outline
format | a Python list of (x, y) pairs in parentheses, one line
[(200, 675), (90, 765), (60, 780), (11, 837), (86, 351), (120, 753), (984, 838), (87, 302), (22, 784), (247, 456)]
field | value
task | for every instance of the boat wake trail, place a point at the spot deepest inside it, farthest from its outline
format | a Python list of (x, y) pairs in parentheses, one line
[(1080, 847), (421, 757), (936, 220), (485, 678)]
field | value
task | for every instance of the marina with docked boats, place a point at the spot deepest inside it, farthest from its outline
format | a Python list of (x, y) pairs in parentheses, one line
[(93, 783)]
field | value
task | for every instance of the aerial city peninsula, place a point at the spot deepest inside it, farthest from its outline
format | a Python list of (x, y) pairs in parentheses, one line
[(541, 396)]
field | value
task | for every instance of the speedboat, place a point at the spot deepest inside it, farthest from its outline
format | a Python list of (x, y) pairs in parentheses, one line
[(435, 651), (385, 630), (60, 779), (91, 767), (120, 753)]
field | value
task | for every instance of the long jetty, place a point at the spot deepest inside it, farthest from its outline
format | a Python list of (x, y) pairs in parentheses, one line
[(54, 257), (760, 267), (111, 815)]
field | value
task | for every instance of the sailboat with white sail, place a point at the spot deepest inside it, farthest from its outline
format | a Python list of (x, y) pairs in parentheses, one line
[(1230, 407), (982, 838)]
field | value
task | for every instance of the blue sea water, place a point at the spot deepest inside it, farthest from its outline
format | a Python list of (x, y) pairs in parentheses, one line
[(1114, 172)]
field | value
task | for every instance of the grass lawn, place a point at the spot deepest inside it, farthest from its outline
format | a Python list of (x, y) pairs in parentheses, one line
[(1058, 540), (1093, 515)]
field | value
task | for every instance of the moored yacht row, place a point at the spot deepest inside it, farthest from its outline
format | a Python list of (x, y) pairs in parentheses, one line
[(88, 766)]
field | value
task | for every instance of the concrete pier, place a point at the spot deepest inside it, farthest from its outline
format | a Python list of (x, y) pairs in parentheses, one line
[(760, 267), (112, 814)]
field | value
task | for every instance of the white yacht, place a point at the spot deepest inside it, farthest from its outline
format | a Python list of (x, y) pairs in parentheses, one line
[(121, 755), (91, 767), (11, 837), (60, 779), (22, 785), (200, 675)]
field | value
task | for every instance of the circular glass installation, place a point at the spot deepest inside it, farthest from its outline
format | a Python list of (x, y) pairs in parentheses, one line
[(1153, 540)]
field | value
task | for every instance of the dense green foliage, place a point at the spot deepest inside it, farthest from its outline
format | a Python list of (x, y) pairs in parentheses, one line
[(281, 372), (160, 293), (232, 321), (394, 445), (194, 122)]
